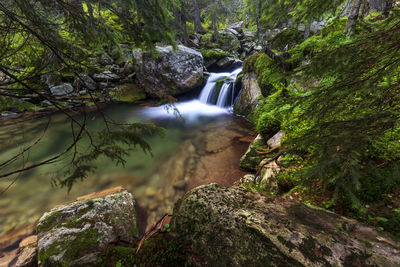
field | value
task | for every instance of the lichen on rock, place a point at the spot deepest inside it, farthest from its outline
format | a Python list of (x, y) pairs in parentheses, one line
[(79, 232), (239, 227)]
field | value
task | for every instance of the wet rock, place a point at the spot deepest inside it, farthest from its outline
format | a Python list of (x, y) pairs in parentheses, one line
[(229, 62), (106, 76), (85, 81), (170, 72), (248, 99), (251, 159), (62, 90), (237, 227), (77, 233)]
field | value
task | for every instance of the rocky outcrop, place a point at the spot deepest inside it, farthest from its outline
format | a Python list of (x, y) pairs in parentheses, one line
[(248, 99), (169, 71), (238, 227), (76, 234)]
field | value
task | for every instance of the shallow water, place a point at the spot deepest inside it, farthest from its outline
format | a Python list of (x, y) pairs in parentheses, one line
[(203, 144)]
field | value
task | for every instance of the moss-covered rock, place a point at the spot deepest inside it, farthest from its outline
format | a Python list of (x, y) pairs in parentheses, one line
[(239, 227), (129, 92), (76, 234), (226, 41), (251, 159)]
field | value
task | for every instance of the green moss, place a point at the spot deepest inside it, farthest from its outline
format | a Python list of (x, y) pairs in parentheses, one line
[(215, 54), (49, 221), (128, 93), (117, 256), (163, 250)]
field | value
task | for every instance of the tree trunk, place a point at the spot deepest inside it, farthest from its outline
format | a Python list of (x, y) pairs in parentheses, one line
[(197, 21), (388, 7), (214, 21), (353, 16), (285, 66), (259, 34)]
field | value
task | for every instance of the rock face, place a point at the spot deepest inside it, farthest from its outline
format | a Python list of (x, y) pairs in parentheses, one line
[(248, 99), (237, 227), (170, 72), (76, 234)]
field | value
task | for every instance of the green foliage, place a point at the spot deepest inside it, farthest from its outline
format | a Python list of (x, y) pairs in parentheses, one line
[(270, 75)]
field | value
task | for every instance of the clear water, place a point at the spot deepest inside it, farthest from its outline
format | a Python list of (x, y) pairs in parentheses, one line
[(203, 144)]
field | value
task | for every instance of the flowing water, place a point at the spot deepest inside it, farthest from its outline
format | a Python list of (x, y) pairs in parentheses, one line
[(203, 144)]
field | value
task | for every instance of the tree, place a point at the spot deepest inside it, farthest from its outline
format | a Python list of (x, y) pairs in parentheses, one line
[(349, 123), (42, 37)]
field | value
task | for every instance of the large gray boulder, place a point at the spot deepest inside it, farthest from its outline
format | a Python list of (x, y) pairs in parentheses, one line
[(62, 90), (84, 81), (76, 234), (239, 227), (248, 99), (169, 71)]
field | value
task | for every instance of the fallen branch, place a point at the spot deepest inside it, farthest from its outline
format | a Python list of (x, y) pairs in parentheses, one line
[(157, 227)]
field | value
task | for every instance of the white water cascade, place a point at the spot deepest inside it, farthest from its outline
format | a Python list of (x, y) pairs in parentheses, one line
[(213, 101), (223, 96)]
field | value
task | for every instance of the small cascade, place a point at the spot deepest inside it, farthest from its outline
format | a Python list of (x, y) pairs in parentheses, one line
[(224, 96)]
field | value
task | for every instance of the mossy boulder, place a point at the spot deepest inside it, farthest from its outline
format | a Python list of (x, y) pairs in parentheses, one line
[(251, 159), (129, 92), (237, 226), (76, 234), (225, 40)]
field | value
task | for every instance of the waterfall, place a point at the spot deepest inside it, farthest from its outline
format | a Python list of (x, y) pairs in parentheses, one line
[(223, 96)]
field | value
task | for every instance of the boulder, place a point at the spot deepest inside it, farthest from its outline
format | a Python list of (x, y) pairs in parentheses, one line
[(170, 72), (51, 79), (276, 140), (237, 27), (106, 76), (248, 99), (85, 81), (251, 159), (229, 62), (269, 172), (239, 227), (76, 234), (62, 90)]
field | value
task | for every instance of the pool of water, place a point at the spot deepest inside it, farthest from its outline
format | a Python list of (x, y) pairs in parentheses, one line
[(202, 144)]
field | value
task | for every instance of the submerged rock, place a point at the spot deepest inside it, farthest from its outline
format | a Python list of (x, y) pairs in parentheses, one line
[(237, 227), (79, 232), (169, 72), (248, 99)]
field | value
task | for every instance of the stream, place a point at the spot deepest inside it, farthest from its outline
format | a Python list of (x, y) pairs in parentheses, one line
[(203, 144)]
